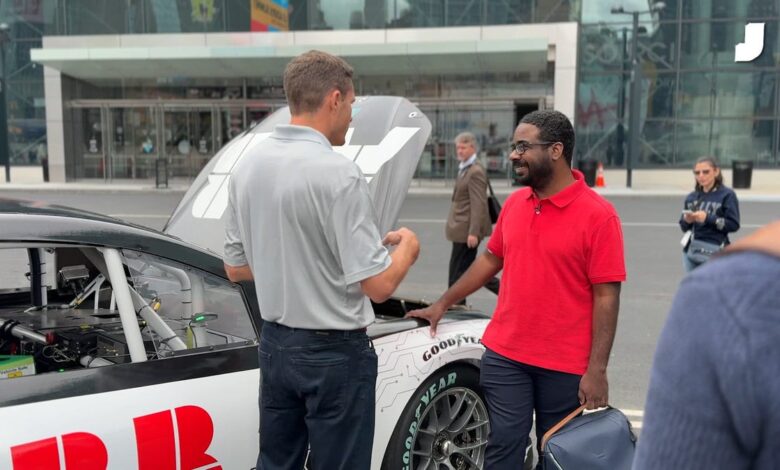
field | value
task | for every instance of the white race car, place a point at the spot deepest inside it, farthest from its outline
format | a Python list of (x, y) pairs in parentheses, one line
[(127, 348)]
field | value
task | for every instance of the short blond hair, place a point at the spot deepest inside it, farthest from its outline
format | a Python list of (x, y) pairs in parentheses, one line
[(309, 77)]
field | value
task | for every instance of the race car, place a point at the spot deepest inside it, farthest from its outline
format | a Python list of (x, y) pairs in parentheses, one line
[(129, 348), (122, 347)]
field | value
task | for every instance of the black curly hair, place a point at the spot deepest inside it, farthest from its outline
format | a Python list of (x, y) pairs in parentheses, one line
[(553, 126)]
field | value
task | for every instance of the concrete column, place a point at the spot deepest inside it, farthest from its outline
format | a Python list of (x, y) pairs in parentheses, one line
[(55, 132), (561, 51), (565, 82)]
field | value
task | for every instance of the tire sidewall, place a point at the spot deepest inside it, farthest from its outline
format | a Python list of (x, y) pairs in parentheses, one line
[(398, 455)]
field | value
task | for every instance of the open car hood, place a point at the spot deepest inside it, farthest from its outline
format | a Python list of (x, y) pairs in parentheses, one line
[(386, 138)]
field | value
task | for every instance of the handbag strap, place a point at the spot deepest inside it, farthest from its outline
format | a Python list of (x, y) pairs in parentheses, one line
[(561, 424), (490, 188)]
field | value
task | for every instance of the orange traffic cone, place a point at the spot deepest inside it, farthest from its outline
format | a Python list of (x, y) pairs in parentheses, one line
[(600, 176)]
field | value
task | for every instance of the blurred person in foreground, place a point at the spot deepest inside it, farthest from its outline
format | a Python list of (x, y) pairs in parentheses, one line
[(560, 247), (709, 214), (714, 395), (301, 224), (468, 221)]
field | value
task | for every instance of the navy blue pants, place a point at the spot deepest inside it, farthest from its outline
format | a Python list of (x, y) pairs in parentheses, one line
[(513, 391), (317, 389)]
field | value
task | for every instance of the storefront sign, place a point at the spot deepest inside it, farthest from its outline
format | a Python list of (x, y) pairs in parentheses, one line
[(611, 53), (270, 15)]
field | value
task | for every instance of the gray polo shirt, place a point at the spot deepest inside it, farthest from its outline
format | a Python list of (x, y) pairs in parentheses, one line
[(301, 216)]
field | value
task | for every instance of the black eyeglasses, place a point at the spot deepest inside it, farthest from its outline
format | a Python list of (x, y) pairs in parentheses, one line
[(522, 147)]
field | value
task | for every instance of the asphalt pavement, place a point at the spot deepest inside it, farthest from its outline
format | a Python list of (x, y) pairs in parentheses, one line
[(652, 254)]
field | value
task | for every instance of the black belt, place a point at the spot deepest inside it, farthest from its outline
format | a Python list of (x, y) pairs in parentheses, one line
[(315, 330)]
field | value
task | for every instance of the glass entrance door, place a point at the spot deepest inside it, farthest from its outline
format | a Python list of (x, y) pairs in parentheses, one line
[(124, 139), (189, 140), (88, 143), (132, 144), (230, 123)]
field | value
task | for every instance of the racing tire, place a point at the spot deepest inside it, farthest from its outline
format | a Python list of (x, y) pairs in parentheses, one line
[(444, 425)]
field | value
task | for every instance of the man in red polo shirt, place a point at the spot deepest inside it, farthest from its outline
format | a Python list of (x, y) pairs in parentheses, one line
[(560, 246)]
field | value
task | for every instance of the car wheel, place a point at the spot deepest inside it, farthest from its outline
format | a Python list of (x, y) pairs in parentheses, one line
[(444, 425)]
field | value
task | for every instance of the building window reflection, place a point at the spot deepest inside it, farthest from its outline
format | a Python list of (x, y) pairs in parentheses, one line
[(696, 99), (84, 17)]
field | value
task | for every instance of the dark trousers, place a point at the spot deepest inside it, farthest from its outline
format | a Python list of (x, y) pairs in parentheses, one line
[(461, 258), (513, 391), (317, 389)]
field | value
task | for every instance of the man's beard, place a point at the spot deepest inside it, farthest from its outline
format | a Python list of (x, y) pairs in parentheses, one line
[(536, 175)]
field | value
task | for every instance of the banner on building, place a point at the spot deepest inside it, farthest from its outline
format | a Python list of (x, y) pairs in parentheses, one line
[(203, 11), (270, 15)]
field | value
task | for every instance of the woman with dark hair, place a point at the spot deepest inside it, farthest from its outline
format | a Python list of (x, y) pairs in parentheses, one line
[(710, 213)]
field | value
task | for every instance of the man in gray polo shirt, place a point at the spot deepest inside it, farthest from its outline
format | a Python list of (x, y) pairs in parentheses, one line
[(301, 224)]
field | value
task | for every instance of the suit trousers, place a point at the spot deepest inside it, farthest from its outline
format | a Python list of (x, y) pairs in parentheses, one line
[(461, 258)]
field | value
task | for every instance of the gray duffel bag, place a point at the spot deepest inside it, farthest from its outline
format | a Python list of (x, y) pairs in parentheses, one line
[(599, 440)]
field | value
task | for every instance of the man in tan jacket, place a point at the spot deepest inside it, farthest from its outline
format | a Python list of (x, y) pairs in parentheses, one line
[(469, 221)]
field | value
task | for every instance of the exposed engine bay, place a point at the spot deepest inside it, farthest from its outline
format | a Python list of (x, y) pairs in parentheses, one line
[(60, 339), (79, 318)]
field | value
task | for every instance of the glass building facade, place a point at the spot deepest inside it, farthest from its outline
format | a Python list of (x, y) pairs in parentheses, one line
[(86, 17), (118, 128), (25, 104), (695, 99)]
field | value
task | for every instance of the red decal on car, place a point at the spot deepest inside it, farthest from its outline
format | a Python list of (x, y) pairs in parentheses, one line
[(36, 455), (195, 433), (154, 437), (155, 441), (84, 451)]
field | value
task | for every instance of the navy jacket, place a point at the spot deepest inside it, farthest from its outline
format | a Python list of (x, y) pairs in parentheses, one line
[(722, 210)]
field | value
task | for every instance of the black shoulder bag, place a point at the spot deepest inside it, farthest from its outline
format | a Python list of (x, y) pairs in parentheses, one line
[(494, 207)]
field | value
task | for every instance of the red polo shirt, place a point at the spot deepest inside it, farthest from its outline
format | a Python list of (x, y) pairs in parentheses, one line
[(554, 250)]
